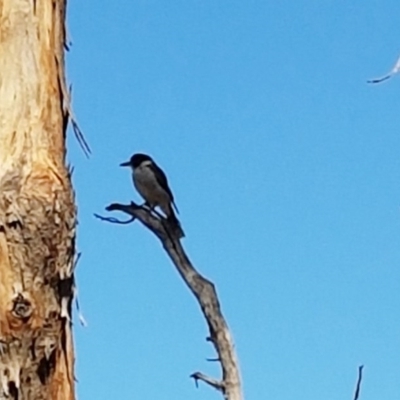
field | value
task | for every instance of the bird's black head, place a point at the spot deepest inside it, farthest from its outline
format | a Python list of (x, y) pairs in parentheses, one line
[(136, 160)]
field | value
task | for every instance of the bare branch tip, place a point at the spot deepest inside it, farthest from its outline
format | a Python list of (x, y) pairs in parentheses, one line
[(113, 220), (80, 137), (358, 385), (379, 80)]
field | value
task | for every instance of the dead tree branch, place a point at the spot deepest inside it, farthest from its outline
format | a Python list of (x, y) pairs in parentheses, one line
[(206, 295), (358, 386)]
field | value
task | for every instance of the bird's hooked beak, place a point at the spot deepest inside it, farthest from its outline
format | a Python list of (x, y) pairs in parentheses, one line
[(125, 164)]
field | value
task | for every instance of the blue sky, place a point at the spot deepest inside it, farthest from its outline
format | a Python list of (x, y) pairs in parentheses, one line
[(285, 166)]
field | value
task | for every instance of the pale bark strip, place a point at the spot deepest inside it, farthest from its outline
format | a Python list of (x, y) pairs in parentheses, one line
[(206, 295), (37, 211)]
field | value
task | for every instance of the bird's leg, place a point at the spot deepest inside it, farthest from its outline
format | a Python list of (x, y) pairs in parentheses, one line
[(159, 215), (147, 206), (152, 209)]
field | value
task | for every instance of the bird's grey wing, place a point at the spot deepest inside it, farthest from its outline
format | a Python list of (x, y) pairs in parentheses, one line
[(163, 182), (161, 179)]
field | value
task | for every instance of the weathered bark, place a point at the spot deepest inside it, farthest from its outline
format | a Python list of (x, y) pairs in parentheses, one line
[(37, 211), (206, 295)]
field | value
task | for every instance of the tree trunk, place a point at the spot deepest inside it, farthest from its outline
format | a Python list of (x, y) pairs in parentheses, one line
[(37, 211)]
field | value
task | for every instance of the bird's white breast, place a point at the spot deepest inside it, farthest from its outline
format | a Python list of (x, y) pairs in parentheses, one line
[(146, 184)]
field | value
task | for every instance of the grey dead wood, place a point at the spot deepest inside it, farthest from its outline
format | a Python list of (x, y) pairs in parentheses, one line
[(205, 293), (37, 206)]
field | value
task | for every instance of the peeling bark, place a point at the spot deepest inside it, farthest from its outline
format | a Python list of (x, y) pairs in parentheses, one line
[(37, 210), (205, 293)]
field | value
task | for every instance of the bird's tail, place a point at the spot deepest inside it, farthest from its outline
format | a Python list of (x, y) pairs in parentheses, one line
[(175, 224)]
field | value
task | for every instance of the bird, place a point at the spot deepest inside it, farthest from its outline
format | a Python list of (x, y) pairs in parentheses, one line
[(152, 184)]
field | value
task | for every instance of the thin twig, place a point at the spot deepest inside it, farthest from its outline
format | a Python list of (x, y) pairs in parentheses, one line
[(67, 108), (77, 258), (358, 387), (151, 214), (78, 134), (114, 220), (394, 71), (81, 318)]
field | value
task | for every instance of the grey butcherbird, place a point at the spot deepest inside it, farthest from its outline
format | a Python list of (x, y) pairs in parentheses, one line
[(152, 184)]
